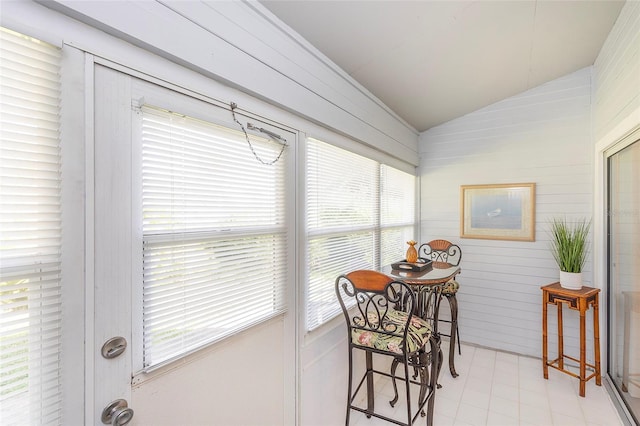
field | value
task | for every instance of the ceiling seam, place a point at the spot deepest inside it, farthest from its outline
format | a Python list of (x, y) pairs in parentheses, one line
[(533, 37)]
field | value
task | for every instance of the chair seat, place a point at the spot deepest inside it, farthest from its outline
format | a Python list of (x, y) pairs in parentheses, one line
[(417, 336), (451, 287)]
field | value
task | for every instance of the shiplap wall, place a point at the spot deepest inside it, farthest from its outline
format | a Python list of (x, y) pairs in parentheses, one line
[(541, 136), (616, 112), (617, 74)]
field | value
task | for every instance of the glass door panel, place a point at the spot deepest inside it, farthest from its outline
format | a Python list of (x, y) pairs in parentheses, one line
[(624, 274)]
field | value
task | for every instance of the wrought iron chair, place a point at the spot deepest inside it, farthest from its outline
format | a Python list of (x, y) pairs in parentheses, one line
[(445, 254), (380, 320)]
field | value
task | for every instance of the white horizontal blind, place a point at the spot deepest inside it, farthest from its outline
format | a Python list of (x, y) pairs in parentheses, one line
[(214, 235), (30, 228), (397, 213), (349, 197)]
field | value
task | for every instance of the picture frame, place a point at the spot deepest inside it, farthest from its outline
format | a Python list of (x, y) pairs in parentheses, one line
[(498, 211)]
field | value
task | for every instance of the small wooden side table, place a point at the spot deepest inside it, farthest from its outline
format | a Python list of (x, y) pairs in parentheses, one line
[(579, 300)]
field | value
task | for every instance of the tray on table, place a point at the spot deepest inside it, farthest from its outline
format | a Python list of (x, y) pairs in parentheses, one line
[(403, 265)]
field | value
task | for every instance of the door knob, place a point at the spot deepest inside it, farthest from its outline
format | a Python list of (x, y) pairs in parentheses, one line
[(113, 347), (117, 413)]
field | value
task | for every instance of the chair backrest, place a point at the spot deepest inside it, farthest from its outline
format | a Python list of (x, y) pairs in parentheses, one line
[(369, 300), (440, 252)]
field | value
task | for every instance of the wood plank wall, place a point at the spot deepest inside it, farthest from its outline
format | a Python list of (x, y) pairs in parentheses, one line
[(542, 136), (617, 74), (616, 111)]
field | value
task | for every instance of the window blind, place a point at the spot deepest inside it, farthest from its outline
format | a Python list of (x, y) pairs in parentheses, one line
[(359, 214), (397, 213), (214, 235), (30, 231)]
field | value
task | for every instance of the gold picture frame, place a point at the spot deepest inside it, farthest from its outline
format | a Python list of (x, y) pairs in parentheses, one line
[(498, 212)]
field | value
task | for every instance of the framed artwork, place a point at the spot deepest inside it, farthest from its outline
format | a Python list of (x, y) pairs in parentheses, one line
[(498, 212)]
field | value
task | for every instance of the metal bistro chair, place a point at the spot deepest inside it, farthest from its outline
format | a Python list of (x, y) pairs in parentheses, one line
[(380, 320), (445, 254)]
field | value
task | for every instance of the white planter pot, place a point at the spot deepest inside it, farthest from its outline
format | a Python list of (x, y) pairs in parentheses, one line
[(571, 280)]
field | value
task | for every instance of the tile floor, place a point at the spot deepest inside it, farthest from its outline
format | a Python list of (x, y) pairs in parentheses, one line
[(502, 389)]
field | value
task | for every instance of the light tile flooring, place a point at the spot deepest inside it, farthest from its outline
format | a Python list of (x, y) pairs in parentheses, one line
[(502, 389)]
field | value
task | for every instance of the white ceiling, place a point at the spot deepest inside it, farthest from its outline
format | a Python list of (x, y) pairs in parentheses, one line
[(432, 61)]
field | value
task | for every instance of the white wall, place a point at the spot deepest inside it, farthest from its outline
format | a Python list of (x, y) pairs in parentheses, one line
[(616, 106), (541, 136), (616, 113), (616, 101), (545, 136)]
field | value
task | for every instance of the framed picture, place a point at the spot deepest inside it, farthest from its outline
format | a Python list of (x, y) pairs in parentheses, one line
[(498, 212)]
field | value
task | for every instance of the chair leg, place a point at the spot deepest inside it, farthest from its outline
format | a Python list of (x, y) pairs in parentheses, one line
[(394, 366), (435, 367), (439, 358), (407, 383), (453, 305), (370, 399), (349, 387), (424, 358)]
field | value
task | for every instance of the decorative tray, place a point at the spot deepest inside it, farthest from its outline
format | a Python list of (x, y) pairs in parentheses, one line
[(414, 267)]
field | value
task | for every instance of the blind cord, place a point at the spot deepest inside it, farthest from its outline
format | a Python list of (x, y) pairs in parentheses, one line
[(272, 135)]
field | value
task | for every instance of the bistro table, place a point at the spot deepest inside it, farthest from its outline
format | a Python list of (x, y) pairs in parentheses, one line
[(427, 286)]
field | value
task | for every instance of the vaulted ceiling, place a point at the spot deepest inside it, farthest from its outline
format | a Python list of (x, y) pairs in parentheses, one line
[(433, 61)]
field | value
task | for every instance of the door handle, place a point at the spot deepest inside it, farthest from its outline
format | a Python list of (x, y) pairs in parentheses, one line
[(117, 413)]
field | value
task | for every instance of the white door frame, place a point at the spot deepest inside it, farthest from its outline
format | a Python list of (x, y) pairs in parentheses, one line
[(113, 288)]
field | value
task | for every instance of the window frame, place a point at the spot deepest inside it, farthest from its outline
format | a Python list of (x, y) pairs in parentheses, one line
[(377, 228), (209, 110)]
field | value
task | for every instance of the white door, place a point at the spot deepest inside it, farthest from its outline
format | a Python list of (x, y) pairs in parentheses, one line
[(245, 378), (624, 271)]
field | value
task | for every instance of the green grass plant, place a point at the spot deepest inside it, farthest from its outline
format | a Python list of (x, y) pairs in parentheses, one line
[(569, 244)]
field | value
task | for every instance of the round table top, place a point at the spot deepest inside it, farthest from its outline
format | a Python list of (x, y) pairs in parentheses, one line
[(437, 275)]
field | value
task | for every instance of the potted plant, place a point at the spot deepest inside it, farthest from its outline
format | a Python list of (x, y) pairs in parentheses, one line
[(569, 246)]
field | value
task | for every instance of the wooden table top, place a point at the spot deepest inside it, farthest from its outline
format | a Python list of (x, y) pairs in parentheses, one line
[(556, 288)]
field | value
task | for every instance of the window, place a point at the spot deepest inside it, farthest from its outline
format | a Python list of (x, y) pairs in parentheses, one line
[(214, 234), (360, 213), (397, 213), (30, 231)]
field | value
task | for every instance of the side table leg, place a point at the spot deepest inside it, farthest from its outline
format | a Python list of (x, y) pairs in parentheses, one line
[(596, 340), (560, 337), (545, 367), (583, 351)]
